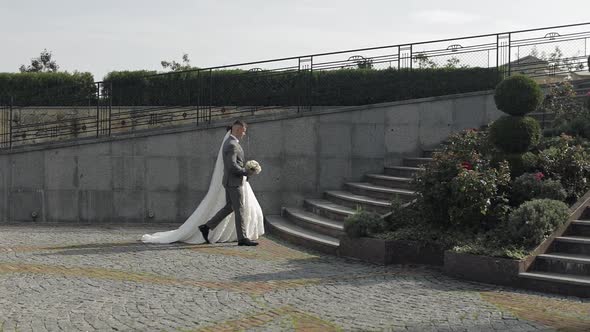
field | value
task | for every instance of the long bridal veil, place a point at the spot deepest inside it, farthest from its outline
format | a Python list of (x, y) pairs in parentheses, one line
[(211, 203)]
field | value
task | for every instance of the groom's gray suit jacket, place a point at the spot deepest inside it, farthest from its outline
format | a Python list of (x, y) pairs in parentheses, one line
[(233, 175), (233, 163)]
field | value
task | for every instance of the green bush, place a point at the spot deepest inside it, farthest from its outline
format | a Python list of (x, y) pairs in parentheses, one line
[(534, 220), (362, 223), (48, 89), (565, 160), (492, 243), (561, 100), (532, 185), (519, 162), (401, 215), (461, 189), (428, 234), (466, 142), (473, 195), (563, 140), (578, 126), (518, 95), (513, 134)]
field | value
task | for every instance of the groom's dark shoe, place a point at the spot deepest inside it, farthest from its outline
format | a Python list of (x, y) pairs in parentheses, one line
[(247, 242), (205, 231)]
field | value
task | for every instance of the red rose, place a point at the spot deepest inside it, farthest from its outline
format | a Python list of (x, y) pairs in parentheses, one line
[(539, 176), (466, 165)]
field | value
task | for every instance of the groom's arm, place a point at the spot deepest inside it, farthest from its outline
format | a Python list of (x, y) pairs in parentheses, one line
[(234, 167)]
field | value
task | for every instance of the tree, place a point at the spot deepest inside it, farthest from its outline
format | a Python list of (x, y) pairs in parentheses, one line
[(41, 64), (453, 62), (558, 63), (175, 66), (365, 64), (535, 52), (424, 61)]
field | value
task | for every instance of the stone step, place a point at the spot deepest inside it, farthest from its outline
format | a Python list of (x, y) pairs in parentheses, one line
[(327, 209), (572, 258), (579, 228), (402, 171), (416, 162), (428, 153), (572, 285), (380, 192), (574, 239), (309, 220), (546, 125), (540, 116), (389, 181), (582, 85), (283, 228), (572, 245), (556, 283), (564, 263), (354, 201)]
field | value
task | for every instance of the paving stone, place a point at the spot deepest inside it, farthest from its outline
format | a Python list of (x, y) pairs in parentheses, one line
[(83, 278)]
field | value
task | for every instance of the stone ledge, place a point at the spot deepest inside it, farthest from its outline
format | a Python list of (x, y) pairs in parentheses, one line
[(386, 252), (492, 270)]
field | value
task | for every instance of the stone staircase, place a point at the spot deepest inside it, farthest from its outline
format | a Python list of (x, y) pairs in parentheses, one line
[(582, 86), (565, 267), (319, 223), (545, 119)]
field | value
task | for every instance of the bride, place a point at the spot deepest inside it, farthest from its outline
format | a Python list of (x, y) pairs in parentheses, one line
[(213, 201)]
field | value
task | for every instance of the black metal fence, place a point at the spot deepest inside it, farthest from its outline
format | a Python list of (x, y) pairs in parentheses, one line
[(296, 84)]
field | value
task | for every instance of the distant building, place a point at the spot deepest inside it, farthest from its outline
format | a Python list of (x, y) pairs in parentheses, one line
[(537, 69), (530, 65)]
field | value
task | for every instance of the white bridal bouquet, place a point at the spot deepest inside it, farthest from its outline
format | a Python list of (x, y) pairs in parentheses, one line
[(253, 166)]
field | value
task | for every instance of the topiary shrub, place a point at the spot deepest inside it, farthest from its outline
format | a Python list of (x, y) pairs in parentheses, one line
[(534, 220), (518, 163), (363, 223), (518, 95), (515, 134), (532, 185)]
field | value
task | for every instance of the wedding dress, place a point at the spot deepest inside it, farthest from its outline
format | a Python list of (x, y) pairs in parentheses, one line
[(211, 203)]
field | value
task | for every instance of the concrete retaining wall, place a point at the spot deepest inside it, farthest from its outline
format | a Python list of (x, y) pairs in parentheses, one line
[(161, 176)]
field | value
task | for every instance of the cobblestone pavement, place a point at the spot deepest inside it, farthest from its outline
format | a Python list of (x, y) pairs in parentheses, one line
[(82, 278)]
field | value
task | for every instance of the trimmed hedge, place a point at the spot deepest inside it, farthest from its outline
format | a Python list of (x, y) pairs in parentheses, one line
[(244, 88), (322, 88), (48, 89)]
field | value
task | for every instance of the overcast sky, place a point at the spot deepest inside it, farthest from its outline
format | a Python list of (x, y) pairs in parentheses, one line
[(106, 35)]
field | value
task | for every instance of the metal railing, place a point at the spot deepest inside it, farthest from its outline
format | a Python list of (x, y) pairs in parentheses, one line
[(293, 84)]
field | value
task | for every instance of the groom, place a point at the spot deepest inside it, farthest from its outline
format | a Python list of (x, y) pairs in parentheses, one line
[(233, 175)]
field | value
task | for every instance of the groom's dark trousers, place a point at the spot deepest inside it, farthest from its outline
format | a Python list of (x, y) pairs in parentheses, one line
[(233, 197), (233, 177)]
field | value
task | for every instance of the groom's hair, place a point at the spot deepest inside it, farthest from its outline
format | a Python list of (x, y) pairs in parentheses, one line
[(239, 123)]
